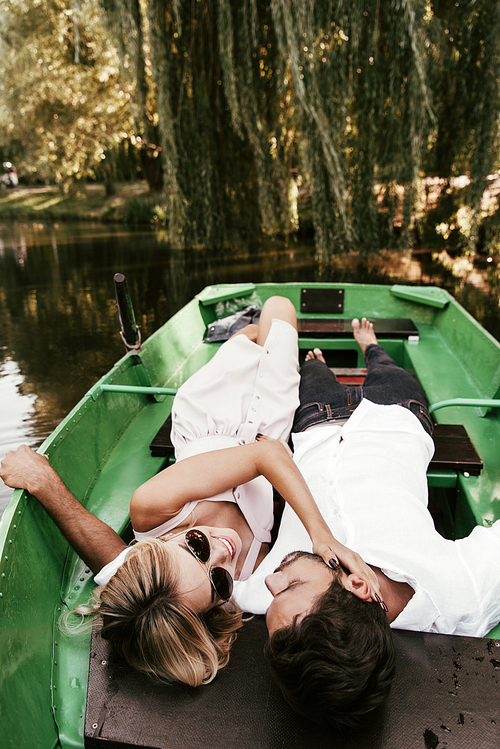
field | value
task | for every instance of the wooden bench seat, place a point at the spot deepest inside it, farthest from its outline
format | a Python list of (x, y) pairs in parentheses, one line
[(402, 328), (454, 450)]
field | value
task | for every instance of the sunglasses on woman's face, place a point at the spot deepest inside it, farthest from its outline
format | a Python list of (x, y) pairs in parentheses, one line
[(199, 546)]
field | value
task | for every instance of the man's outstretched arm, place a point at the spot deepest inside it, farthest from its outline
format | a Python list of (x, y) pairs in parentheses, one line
[(92, 539)]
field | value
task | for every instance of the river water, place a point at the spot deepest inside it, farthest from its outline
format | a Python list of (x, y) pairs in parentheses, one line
[(59, 331)]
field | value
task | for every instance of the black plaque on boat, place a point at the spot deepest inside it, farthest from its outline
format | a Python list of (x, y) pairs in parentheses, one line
[(322, 301)]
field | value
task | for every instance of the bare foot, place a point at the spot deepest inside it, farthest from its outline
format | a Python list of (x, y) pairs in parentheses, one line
[(363, 333), (315, 354)]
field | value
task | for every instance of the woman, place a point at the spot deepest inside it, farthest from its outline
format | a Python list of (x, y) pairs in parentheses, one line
[(206, 520)]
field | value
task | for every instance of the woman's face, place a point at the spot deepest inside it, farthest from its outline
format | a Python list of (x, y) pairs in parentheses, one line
[(194, 583)]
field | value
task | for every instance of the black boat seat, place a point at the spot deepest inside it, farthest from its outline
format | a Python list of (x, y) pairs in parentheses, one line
[(454, 450), (401, 328), (161, 445), (446, 693)]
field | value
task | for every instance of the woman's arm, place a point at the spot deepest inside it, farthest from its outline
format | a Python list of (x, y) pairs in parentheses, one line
[(208, 474), (212, 473), (92, 539)]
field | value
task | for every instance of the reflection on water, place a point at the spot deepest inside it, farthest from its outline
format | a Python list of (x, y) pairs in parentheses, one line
[(17, 412), (59, 331)]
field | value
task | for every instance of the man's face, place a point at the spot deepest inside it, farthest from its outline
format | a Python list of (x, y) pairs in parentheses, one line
[(296, 584)]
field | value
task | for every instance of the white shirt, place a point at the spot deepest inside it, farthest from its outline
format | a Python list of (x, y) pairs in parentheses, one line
[(369, 481)]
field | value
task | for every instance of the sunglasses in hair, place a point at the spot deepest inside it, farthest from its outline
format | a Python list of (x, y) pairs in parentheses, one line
[(199, 546)]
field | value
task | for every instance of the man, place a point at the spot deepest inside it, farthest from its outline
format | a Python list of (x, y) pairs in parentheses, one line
[(364, 453)]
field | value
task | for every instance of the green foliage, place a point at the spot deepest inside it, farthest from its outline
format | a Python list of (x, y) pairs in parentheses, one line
[(131, 204), (464, 74), (135, 210), (489, 236), (249, 95), (257, 108), (440, 228), (63, 104)]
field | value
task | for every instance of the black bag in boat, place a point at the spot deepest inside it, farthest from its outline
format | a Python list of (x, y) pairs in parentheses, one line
[(223, 329)]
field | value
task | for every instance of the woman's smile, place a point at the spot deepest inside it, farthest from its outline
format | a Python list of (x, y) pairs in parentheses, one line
[(229, 544)]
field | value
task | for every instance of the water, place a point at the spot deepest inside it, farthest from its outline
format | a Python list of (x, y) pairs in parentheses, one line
[(59, 331)]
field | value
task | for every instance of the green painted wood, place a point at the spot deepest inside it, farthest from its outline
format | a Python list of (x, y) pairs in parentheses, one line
[(144, 390), (432, 296), (471, 402), (442, 479), (223, 292)]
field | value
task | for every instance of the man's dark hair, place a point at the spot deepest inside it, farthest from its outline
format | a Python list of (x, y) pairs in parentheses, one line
[(338, 663)]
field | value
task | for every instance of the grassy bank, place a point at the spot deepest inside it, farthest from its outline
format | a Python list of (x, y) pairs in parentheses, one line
[(131, 204), (444, 222)]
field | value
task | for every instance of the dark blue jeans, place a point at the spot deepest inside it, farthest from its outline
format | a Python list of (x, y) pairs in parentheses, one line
[(323, 398)]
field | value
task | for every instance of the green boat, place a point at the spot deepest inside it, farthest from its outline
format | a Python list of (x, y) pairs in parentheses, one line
[(102, 452)]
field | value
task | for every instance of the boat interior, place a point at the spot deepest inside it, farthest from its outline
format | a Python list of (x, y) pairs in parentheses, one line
[(447, 687)]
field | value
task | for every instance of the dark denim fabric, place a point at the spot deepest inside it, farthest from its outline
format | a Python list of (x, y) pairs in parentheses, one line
[(323, 398), (223, 329)]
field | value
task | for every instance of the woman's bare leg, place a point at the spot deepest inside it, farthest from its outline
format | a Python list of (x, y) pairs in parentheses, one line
[(275, 307), (251, 331)]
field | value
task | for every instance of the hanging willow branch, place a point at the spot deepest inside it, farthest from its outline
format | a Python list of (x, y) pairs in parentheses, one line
[(351, 96)]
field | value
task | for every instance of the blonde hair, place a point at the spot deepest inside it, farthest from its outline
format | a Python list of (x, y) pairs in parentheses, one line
[(145, 620)]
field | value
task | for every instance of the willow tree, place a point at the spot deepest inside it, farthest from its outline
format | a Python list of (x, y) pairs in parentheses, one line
[(465, 76), (349, 96), (62, 102)]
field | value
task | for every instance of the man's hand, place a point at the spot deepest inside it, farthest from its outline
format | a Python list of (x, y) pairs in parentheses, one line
[(92, 539), (25, 469)]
